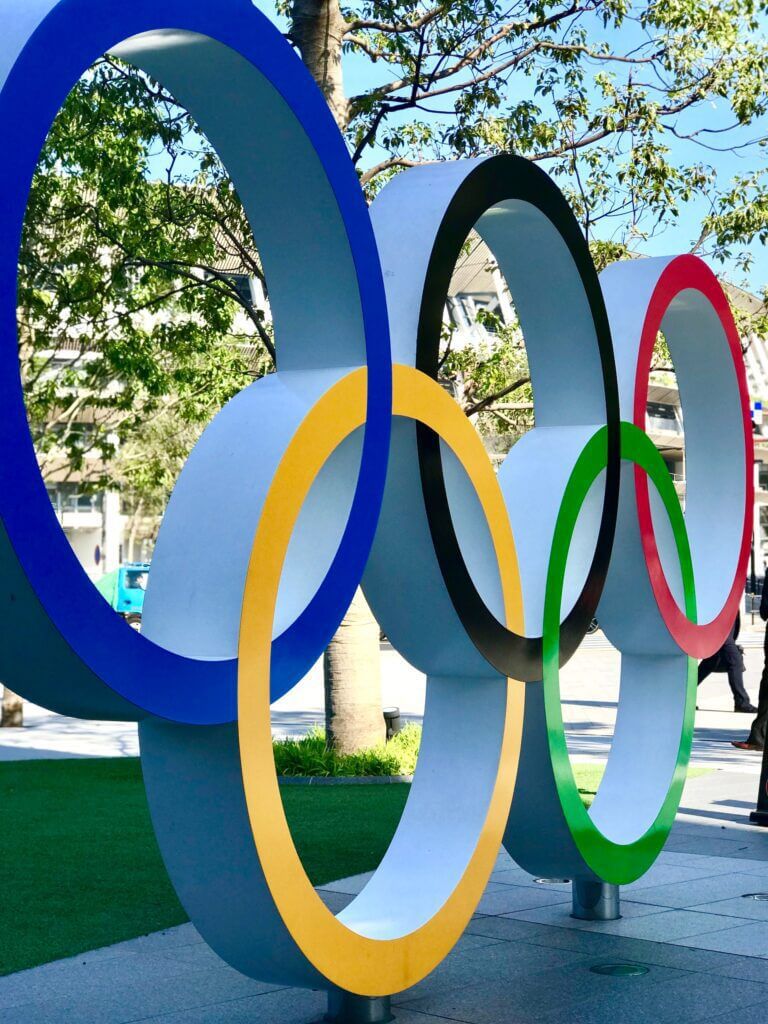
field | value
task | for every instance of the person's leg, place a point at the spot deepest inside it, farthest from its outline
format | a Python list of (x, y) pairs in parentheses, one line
[(733, 660), (706, 667)]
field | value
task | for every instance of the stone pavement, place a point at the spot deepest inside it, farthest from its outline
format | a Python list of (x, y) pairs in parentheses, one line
[(522, 958), (589, 687)]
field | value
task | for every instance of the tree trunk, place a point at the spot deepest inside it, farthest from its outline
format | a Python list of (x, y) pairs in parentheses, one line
[(317, 29), (353, 714), (13, 710)]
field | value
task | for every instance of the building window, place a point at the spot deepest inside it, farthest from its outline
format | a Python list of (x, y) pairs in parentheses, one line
[(242, 284), (663, 417), (68, 497)]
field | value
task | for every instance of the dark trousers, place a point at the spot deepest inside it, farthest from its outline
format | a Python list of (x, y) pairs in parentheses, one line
[(760, 724), (728, 659)]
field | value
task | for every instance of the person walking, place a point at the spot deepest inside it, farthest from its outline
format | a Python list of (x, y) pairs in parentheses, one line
[(756, 738), (730, 659)]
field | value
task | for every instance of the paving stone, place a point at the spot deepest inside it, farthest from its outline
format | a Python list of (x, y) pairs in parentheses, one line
[(560, 916), (288, 1006), (533, 995), (335, 901), (516, 876), (667, 874), (665, 926), (512, 929), (717, 865), (663, 954), (746, 940), (754, 1014), (405, 1016), (488, 964), (749, 968), (687, 999), (694, 842), (138, 993), (753, 910), (353, 885), (76, 979), (200, 956), (517, 897), (693, 893), (467, 942)]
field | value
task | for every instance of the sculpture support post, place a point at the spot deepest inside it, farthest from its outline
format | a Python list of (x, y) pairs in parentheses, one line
[(347, 1008), (595, 901)]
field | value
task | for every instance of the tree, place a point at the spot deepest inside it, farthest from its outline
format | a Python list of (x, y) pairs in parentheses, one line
[(126, 313), (354, 719), (603, 92), (614, 97)]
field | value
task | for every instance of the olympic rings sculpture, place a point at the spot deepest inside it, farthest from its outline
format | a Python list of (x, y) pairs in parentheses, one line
[(351, 464)]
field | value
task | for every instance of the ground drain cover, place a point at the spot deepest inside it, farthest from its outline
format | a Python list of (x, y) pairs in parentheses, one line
[(551, 881), (755, 896), (620, 970)]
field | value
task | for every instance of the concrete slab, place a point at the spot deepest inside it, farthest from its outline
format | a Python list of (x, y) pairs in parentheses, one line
[(663, 926), (699, 891), (518, 897), (746, 940), (753, 910)]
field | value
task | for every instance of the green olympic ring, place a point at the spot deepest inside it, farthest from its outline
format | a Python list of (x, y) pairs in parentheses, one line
[(617, 863)]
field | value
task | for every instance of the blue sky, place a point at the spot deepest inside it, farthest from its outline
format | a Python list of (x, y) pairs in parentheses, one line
[(361, 74)]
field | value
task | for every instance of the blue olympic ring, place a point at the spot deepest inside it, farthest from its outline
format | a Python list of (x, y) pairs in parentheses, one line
[(61, 641)]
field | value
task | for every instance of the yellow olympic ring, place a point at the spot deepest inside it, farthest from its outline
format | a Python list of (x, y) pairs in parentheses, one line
[(351, 960)]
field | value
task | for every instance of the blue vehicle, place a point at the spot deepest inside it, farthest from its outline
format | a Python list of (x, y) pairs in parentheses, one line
[(124, 589)]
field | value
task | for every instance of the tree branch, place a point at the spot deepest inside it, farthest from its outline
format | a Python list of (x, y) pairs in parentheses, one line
[(484, 403), (397, 28), (393, 161), (473, 55)]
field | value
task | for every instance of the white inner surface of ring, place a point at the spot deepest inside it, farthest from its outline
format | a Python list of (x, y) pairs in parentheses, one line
[(653, 683), (714, 453), (464, 713), (569, 398), (204, 543)]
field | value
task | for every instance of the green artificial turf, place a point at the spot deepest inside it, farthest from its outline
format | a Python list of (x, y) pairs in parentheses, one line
[(81, 868), (588, 778), (80, 863)]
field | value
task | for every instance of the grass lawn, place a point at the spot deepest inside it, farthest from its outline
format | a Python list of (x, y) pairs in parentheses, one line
[(82, 868), (588, 778)]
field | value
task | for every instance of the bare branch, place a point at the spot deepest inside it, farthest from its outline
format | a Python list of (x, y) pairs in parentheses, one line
[(393, 161), (484, 403), (472, 55), (396, 28)]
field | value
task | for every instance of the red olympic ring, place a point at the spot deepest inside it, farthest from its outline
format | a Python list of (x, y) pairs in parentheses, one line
[(699, 640)]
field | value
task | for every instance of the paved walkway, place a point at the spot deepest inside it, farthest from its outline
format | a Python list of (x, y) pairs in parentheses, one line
[(589, 687), (522, 958)]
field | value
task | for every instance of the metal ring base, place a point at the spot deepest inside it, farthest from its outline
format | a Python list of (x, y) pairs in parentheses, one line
[(595, 901), (347, 1008)]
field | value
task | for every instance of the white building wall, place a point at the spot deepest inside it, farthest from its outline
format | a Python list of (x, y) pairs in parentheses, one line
[(85, 541)]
